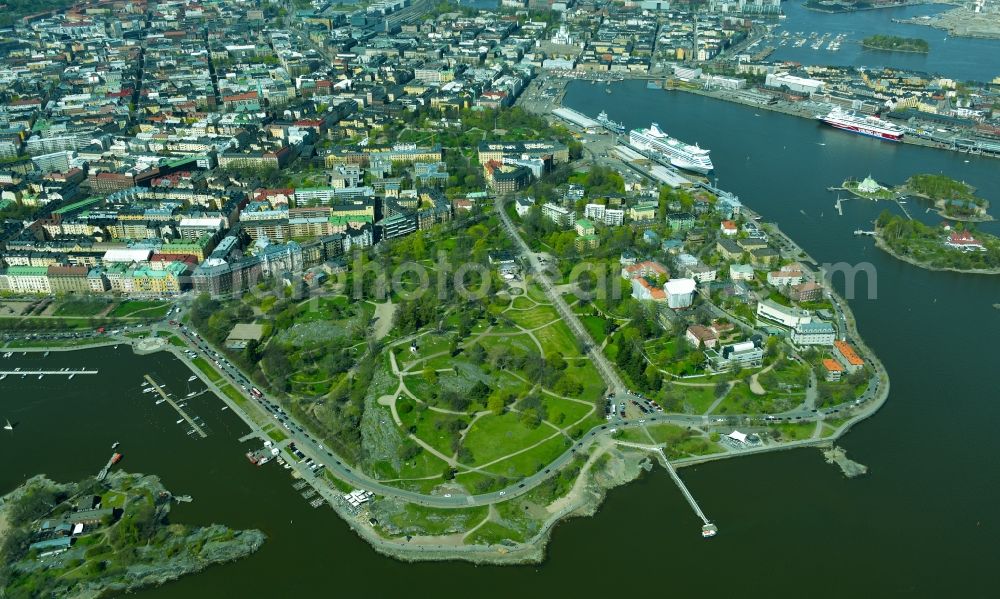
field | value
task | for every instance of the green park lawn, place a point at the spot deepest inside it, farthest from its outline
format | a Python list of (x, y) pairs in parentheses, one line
[(492, 437), (140, 309), (207, 368), (557, 337), (80, 307), (533, 460), (534, 317), (522, 303), (562, 412)]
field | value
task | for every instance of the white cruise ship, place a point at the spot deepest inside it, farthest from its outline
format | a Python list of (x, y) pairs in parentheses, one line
[(680, 154), (862, 124)]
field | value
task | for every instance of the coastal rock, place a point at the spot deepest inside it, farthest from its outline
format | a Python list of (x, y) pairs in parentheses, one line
[(850, 468)]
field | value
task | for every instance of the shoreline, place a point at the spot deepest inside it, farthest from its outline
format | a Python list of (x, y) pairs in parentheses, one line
[(806, 114), (880, 49), (882, 245), (584, 499)]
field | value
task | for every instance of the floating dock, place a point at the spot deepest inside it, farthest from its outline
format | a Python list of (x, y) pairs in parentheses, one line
[(184, 415)]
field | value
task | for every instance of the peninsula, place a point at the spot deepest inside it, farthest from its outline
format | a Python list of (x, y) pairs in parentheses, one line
[(892, 43), (938, 248), (92, 538)]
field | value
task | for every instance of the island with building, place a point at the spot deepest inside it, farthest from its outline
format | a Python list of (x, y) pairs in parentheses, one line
[(952, 247), (868, 189), (893, 43), (956, 200), (109, 536)]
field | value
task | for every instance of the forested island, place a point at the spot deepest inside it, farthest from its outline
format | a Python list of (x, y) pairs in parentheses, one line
[(94, 538), (958, 249), (953, 199), (893, 43)]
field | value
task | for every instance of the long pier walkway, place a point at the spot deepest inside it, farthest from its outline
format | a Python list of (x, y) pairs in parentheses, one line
[(684, 490), (201, 432), (44, 372), (709, 529)]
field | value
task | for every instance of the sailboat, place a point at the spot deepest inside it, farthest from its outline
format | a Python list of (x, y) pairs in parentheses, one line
[(8, 426)]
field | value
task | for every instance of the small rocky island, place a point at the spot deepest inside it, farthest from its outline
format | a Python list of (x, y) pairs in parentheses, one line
[(94, 538), (893, 43)]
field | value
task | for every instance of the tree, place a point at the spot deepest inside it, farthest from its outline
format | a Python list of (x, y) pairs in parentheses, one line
[(496, 404)]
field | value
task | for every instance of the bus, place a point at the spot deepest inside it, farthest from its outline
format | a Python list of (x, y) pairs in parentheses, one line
[(256, 392)]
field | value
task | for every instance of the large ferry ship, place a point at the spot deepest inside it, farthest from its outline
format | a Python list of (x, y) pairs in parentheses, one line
[(680, 154), (862, 124)]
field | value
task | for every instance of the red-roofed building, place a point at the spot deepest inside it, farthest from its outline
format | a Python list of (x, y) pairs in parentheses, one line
[(160, 261), (963, 240), (645, 269), (644, 290), (833, 370), (275, 196), (847, 356)]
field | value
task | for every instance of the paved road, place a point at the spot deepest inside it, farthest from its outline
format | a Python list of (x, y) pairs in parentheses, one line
[(593, 350)]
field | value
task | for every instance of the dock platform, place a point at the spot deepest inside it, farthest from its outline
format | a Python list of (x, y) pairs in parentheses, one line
[(47, 372), (194, 425)]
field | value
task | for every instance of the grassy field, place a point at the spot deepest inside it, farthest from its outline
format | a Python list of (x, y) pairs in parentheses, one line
[(140, 309), (534, 317), (697, 400), (493, 436), (80, 307), (563, 412), (795, 432), (557, 337), (533, 460), (207, 368)]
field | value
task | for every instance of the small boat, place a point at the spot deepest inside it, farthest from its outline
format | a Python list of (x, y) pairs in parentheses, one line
[(191, 394), (708, 531), (2, 376), (192, 378), (45, 355), (40, 376), (180, 421), (159, 401), (115, 445), (224, 408), (8, 426), (116, 458), (71, 376)]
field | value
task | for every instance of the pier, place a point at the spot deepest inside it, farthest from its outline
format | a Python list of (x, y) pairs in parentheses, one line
[(70, 373), (708, 529), (194, 425), (900, 203), (107, 468), (687, 494)]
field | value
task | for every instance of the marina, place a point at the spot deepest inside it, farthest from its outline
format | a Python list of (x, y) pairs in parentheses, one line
[(180, 410)]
